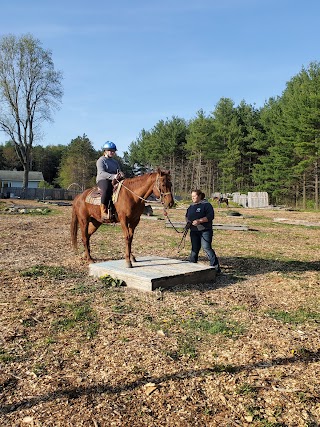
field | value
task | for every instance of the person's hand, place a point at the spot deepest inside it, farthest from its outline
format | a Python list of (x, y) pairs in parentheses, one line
[(120, 176), (197, 221)]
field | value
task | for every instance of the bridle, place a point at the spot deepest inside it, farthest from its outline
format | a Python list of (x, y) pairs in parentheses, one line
[(157, 187)]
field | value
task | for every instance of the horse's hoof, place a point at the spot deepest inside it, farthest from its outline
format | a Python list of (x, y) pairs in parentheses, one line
[(133, 259), (128, 265)]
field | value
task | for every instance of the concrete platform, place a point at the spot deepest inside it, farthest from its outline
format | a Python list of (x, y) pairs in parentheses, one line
[(150, 273)]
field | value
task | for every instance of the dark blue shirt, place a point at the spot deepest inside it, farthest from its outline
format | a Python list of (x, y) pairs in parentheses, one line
[(200, 210)]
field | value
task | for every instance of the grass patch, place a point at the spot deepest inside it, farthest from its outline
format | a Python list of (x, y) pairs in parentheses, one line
[(39, 369), (219, 325), (53, 272), (79, 316), (39, 211), (116, 229), (301, 315), (81, 289), (5, 357), (29, 322), (246, 389), (122, 308), (49, 341), (187, 346)]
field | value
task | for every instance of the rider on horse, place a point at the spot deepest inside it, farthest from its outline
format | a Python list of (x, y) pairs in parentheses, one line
[(108, 170)]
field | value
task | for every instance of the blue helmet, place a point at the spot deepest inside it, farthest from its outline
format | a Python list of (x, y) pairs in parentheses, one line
[(109, 145)]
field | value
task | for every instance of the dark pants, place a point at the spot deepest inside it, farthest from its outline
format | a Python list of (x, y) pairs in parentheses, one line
[(203, 239), (106, 187)]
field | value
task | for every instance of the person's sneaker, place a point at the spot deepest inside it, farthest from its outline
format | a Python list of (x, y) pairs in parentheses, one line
[(218, 269)]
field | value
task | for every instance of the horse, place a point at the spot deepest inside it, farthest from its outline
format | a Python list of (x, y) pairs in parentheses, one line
[(221, 200), (129, 207)]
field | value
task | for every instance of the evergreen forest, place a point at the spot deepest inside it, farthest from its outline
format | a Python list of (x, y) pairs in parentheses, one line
[(233, 148)]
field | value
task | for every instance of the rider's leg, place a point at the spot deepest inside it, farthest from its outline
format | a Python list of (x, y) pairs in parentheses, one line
[(106, 187)]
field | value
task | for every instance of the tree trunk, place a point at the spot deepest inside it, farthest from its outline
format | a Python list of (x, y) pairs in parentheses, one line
[(304, 191), (316, 185), (199, 171), (25, 176), (173, 173)]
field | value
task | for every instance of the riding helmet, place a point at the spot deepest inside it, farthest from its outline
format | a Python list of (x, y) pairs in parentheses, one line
[(109, 145)]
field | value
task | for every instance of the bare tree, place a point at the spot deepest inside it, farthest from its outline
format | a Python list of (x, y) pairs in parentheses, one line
[(30, 89)]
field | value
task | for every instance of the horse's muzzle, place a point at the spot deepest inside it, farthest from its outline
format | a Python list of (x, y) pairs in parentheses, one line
[(168, 204)]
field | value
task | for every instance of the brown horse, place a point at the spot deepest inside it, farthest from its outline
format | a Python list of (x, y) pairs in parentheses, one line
[(129, 206)]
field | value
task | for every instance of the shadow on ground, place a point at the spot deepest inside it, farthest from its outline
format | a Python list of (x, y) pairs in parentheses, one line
[(105, 388), (238, 269)]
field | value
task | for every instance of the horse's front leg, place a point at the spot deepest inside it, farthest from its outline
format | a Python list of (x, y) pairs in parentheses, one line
[(132, 257), (128, 235)]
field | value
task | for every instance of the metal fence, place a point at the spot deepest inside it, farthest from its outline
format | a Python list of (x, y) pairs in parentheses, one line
[(38, 193)]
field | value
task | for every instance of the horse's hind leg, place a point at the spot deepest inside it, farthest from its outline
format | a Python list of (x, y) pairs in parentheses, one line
[(88, 227)]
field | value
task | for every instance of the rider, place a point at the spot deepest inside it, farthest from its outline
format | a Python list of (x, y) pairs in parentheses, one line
[(108, 169)]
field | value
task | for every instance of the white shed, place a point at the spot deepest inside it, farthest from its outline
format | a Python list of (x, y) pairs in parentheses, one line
[(9, 179)]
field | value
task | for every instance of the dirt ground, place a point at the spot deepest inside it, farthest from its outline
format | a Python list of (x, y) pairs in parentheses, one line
[(242, 351)]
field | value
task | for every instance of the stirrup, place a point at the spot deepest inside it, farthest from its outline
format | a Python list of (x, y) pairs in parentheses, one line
[(111, 216)]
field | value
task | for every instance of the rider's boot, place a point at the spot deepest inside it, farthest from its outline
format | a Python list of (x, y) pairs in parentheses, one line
[(112, 216), (104, 213)]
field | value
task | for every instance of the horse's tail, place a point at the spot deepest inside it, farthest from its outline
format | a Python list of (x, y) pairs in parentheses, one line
[(74, 228)]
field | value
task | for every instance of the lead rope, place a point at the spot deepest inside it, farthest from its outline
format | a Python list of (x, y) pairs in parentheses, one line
[(184, 231), (183, 239)]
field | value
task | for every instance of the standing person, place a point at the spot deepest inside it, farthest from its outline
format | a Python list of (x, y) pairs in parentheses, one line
[(200, 215), (108, 169)]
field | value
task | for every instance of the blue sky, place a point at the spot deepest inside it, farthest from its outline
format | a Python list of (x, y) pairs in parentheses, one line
[(129, 63)]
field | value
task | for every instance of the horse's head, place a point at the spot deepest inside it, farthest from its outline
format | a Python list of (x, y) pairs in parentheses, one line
[(162, 188)]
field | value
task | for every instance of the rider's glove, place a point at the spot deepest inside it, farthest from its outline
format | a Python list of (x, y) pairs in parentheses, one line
[(119, 176)]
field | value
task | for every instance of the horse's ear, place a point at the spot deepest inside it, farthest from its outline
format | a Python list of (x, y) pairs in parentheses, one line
[(159, 171)]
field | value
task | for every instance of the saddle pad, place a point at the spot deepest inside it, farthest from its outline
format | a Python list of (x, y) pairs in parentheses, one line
[(94, 195)]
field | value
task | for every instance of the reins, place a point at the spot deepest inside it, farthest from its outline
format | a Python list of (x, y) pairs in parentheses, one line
[(156, 184), (135, 194)]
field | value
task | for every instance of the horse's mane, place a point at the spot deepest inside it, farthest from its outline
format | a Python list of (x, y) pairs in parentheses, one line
[(136, 180)]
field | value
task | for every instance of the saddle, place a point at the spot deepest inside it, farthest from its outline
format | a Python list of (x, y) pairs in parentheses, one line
[(94, 195)]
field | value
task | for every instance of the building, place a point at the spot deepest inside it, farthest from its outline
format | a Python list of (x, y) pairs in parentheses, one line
[(14, 179)]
